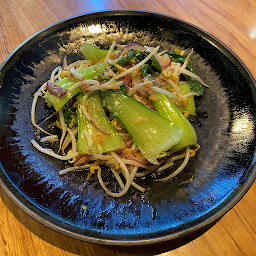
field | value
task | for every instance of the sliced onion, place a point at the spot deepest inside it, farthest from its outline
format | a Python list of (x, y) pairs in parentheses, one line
[(131, 46), (81, 159), (158, 84), (55, 89), (85, 86), (133, 158), (138, 161), (119, 151), (127, 80), (95, 123), (164, 60), (98, 128)]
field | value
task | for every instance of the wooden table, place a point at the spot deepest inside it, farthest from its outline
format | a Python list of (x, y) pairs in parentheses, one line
[(234, 23)]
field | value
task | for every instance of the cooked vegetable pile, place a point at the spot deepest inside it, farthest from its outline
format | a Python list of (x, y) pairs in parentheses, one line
[(126, 108)]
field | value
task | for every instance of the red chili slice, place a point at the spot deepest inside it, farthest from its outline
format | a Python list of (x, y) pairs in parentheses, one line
[(131, 46)]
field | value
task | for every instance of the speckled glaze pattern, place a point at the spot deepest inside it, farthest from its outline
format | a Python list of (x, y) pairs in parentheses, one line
[(211, 184)]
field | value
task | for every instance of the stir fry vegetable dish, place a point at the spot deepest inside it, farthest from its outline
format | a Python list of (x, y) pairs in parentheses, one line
[(126, 108)]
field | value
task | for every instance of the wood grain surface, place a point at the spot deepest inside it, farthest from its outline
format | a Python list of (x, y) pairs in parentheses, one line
[(234, 23)]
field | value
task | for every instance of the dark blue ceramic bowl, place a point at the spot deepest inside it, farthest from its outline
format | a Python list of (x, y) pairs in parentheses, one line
[(212, 183)]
